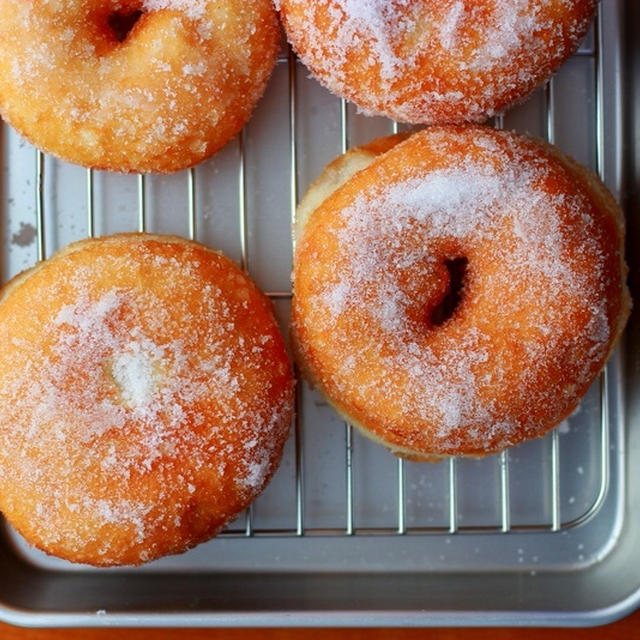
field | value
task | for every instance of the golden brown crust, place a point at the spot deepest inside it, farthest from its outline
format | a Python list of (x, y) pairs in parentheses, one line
[(575, 213), (434, 62), (333, 176), (603, 200), (337, 172), (146, 397), (176, 90)]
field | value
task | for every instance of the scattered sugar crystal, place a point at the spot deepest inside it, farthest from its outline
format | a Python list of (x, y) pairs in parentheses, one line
[(120, 395), (414, 41), (389, 241)]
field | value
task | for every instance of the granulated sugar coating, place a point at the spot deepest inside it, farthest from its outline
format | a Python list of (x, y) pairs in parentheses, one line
[(159, 97), (434, 61), (542, 297), (145, 397)]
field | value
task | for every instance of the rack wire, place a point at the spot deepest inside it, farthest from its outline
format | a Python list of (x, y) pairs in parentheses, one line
[(504, 524)]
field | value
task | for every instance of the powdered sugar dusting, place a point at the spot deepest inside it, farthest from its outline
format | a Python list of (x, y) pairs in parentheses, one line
[(531, 310), (133, 404), (430, 62)]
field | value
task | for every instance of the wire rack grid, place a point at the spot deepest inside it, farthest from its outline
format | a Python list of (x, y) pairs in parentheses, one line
[(299, 528)]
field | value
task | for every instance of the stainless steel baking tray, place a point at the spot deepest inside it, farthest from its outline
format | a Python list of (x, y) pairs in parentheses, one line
[(544, 534)]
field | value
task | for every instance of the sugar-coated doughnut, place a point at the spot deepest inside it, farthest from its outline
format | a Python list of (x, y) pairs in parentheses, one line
[(134, 85), (460, 293), (434, 62), (145, 398), (337, 172)]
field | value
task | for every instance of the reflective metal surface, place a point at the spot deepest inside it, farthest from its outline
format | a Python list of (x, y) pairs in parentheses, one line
[(346, 534)]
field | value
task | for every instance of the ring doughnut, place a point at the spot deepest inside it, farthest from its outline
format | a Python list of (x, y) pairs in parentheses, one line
[(430, 62), (460, 293), (134, 85), (145, 398)]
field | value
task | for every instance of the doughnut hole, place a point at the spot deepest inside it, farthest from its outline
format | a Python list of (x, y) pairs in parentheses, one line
[(107, 26), (446, 308), (121, 23), (435, 285)]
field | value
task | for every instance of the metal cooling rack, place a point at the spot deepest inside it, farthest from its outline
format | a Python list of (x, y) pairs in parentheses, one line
[(552, 442)]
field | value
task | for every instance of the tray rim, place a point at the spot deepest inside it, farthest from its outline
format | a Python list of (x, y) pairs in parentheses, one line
[(357, 617)]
